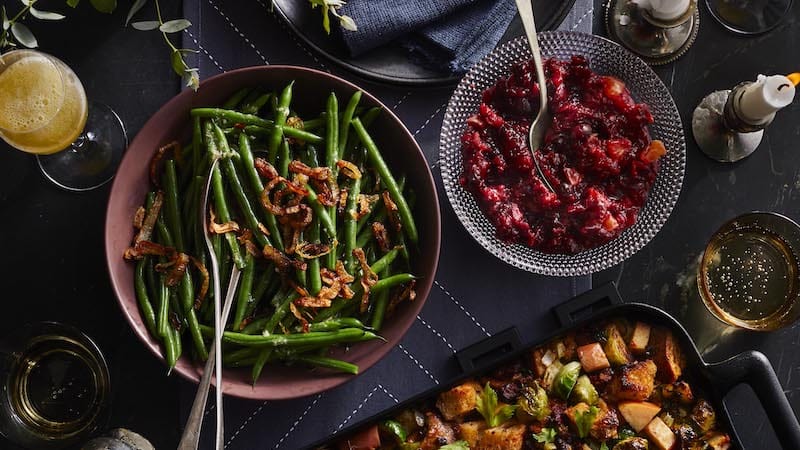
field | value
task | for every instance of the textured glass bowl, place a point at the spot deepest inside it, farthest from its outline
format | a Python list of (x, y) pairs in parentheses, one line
[(605, 57)]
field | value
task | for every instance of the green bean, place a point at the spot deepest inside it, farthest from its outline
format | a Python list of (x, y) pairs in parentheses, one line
[(220, 204), (321, 212), (280, 312), (284, 158), (292, 340), (281, 113), (289, 132), (314, 124), (232, 116), (145, 307), (410, 228), (324, 362), (255, 326), (266, 281), (331, 157), (236, 98), (385, 261), (335, 324), (314, 278), (347, 117), (171, 209), (238, 191), (258, 364), (239, 355), (259, 103), (197, 141), (381, 302), (392, 281), (176, 346), (244, 296), (351, 225), (248, 166)]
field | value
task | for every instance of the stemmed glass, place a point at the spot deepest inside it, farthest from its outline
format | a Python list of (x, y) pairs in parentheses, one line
[(749, 16), (44, 111)]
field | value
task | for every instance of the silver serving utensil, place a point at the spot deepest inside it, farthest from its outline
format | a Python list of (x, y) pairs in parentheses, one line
[(191, 432), (543, 118)]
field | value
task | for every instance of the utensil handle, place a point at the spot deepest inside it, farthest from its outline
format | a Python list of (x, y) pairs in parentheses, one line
[(485, 352), (587, 304), (525, 8), (753, 368), (191, 431)]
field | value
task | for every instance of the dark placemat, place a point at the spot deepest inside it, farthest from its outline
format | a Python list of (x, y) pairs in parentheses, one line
[(474, 295)]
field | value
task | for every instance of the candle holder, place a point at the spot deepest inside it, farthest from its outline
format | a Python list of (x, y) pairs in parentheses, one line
[(656, 41), (720, 130)]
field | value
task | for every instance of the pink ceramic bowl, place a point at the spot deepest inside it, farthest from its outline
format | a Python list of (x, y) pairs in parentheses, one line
[(311, 89)]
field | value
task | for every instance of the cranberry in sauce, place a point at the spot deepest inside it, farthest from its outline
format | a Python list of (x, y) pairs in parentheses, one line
[(597, 155)]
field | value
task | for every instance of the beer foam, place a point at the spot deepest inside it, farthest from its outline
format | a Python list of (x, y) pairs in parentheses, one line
[(31, 94)]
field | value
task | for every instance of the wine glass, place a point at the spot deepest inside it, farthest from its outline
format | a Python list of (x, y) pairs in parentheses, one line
[(749, 16), (44, 111)]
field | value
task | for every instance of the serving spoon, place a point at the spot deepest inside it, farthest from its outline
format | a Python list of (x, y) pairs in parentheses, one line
[(543, 118), (191, 432)]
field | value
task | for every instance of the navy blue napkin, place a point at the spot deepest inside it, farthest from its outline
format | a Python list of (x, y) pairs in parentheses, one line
[(447, 35)]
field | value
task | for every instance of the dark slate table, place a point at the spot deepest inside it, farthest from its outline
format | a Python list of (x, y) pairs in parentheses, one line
[(52, 240)]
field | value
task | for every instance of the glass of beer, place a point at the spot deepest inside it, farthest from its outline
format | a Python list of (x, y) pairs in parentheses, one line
[(44, 111), (749, 276)]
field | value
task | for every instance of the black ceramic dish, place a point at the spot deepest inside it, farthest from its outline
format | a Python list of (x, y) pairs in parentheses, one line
[(715, 380), (390, 63)]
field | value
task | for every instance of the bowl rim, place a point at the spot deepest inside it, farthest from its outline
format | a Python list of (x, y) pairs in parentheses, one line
[(191, 370), (492, 244)]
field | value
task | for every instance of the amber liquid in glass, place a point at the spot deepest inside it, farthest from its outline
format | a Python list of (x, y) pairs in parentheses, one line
[(749, 278)]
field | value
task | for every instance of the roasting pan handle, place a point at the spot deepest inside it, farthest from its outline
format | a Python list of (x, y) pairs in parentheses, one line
[(754, 368), (587, 304), (484, 353)]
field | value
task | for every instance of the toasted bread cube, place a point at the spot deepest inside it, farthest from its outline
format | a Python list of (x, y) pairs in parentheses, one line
[(633, 381), (719, 441), (615, 347), (438, 433), (704, 416), (536, 361), (592, 357), (604, 425), (666, 354), (470, 431), (660, 434), (640, 338), (501, 438), (458, 401), (638, 414)]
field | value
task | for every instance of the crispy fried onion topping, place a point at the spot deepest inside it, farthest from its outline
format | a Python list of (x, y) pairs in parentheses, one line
[(365, 203), (337, 284), (343, 194), (368, 277), (283, 263), (348, 169), (311, 250), (155, 162), (246, 239), (391, 208), (145, 226), (220, 228), (379, 231), (296, 123), (327, 191), (314, 173), (175, 267), (198, 302), (408, 293), (265, 169), (299, 316), (283, 202)]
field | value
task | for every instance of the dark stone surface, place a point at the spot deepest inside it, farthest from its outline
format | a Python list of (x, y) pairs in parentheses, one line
[(53, 265)]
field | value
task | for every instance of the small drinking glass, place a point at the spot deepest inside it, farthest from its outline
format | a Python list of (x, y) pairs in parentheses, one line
[(749, 17), (55, 386), (44, 111), (749, 275)]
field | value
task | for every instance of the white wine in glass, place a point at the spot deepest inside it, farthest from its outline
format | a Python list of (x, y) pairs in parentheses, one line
[(44, 111)]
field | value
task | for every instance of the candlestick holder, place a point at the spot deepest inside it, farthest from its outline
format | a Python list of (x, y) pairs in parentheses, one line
[(720, 130), (656, 41)]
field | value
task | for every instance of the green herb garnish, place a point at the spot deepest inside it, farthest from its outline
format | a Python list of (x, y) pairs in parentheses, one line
[(457, 445), (546, 436), (585, 419), (489, 409)]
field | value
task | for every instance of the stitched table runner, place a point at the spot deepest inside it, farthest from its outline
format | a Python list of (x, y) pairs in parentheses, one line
[(474, 295)]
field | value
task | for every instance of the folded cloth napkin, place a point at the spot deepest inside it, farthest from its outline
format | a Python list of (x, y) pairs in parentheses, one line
[(447, 35)]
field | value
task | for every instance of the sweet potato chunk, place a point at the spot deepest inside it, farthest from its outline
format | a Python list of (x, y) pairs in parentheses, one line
[(470, 432), (439, 433), (660, 434), (633, 381), (638, 414), (640, 338), (592, 357), (667, 355), (458, 401), (615, 347), (501, 438)]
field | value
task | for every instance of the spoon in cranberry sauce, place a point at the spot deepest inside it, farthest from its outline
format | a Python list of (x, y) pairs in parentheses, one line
[(543, 117)]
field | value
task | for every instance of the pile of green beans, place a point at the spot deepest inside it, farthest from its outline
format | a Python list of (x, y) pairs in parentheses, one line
[(272, 318)]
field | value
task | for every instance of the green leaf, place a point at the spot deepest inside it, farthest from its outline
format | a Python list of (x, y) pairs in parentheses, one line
[(177, 62), (457, 445), (146, 25), (6, 23), (326, 21), (191, 79), (488, 408), (104, 6), (26, 2), (23, 35), (46, 15), (584, 420), (546, 436), (73, 3), (603, 446), (174, 26), (135, 8)]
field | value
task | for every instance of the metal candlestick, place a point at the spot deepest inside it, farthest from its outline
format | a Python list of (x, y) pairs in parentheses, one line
[(720, 130), (656, 41)]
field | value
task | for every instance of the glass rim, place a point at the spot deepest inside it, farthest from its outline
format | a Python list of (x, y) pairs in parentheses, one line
[(54, 62)]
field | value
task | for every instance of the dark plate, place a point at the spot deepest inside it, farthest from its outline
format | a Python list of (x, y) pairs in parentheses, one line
[(390, 63), (172, 122)]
